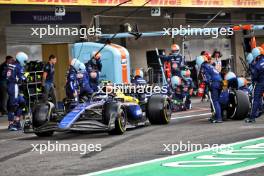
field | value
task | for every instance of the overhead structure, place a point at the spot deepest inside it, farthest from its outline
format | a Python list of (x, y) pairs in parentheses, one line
[(153, 3), (192, 30)]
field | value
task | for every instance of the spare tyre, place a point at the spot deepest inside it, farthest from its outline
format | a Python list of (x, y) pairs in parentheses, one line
[(239, 105), (158, 109)]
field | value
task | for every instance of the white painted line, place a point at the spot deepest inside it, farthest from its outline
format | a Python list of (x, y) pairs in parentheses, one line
[(238, 170), (3, 127), (192, 110), (189, 116), (164, 158)]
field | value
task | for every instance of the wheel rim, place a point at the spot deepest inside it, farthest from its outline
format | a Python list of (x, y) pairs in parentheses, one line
[(167, 111), (122, 120)]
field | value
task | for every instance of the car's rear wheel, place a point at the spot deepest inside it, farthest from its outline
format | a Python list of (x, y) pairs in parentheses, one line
[(158, 110)]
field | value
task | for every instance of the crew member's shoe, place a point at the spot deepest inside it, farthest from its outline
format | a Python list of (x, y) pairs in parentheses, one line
[(216, 121), (12, 127), (18, 125), (249, 120), (211, 119)]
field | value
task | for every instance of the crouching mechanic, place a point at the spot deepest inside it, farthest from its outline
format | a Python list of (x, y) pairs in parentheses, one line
[(176, 94), (242, 84), (187, 87), (231, 80), (93, 68), (213, 79), (15, 75), (257, 77)]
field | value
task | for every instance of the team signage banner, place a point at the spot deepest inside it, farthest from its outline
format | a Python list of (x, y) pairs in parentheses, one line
[(152, 3)]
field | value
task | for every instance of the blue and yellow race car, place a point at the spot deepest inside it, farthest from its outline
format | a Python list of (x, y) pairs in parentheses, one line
[(103, 112)]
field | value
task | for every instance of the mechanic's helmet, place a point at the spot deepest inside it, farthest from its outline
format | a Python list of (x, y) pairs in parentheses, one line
[(96, 55), (207, 55), (230, 76), (22, 58), (175, 81), (257, 52), (76, 64), (250, 58), (139, 72), (200, 60), (175, 48), (93, 74), (241, 82), (186, 73), (82, 67)]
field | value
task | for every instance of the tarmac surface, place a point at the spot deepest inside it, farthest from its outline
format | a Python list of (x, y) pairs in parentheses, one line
[(20, 153)]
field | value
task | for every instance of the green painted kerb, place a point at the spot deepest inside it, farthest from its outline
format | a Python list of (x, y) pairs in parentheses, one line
[(201, 163)]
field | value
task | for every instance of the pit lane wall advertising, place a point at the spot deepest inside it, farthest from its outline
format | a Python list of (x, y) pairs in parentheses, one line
[(152, 3)]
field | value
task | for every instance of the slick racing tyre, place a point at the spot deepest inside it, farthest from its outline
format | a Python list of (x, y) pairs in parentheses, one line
[(158, 110), (114, 112), (42, 114), (239, 105)]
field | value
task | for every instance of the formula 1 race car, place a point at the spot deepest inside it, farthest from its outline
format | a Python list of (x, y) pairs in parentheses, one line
[(103, 112)]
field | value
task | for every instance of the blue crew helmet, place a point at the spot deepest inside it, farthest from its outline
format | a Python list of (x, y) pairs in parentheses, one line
[(175, 81), (22, 58), (250, 58), (200, 60), (76, 64), (241, 82), (257, 52), (229, 76)]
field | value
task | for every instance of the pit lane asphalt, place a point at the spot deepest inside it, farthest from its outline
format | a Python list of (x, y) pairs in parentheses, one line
[(136, 145)]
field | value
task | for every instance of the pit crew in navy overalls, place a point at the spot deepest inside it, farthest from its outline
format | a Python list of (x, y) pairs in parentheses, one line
[(209, 58), (213, 79), (72, 85), (93, 68), (187, 87), (139, 80), (48, 80), (250, 62), (176, 94), (257, 77), (15, 75), (176, 60), (84, 82)]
